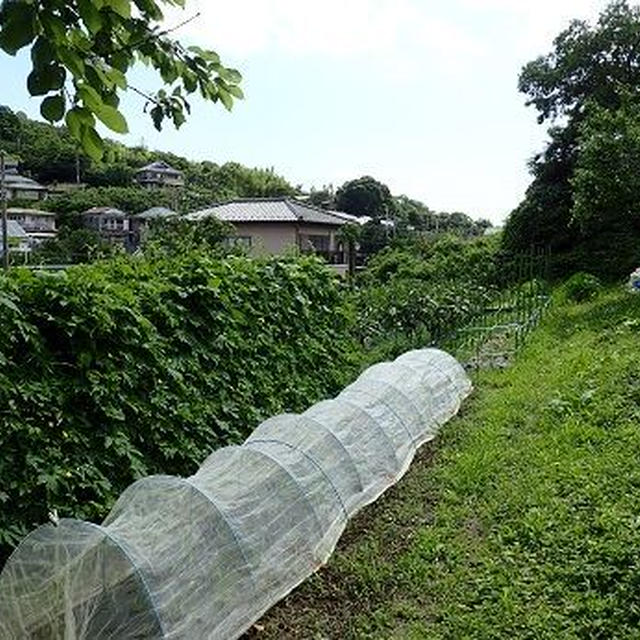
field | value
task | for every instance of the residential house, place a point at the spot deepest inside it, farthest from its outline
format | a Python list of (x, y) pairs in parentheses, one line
[(111, 224), (18, 239), (39, 225), (273, 225), (159, 174), (19, 187)]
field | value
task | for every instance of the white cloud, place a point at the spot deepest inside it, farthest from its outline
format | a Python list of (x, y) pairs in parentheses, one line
[(334, 28), (537, 22)]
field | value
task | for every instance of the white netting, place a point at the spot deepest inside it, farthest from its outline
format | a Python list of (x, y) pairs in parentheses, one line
[(204, 557)]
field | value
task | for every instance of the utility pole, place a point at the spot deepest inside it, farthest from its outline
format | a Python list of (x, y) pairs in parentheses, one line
[(3, 205)]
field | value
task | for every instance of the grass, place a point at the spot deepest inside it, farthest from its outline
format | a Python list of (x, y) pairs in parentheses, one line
[(522, 521)]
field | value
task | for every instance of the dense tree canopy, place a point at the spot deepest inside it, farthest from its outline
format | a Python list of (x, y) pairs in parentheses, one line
[(598, 63), (82, 51), (365, 197), (582, 198)]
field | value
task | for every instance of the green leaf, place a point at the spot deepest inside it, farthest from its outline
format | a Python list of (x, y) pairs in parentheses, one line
[(157, 115), (226, 98), (74, 122), (117, 77), (112, 118), (231, 75), (235, 91), (18, 26), (90, 15), (121, 7), (90, 97), (209, 56), (42, 80), (52, 108), (42, 53), (72, 61), (92, 143), (54, 27)]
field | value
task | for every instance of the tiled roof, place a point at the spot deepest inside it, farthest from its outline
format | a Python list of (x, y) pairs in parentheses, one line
[(14, 230), (155, 212), (348, 217), (159, 166), (105, 211), (268, 210), (16, 181)]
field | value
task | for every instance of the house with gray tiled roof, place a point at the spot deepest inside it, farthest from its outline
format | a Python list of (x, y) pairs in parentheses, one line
[(273, 225), (110, 223), (39, 225), (19, 187), (159, 174), (18, 239)]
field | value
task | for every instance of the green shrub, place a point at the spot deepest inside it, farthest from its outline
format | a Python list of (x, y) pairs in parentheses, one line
[(413, 296), (582, 286), (128, 367)]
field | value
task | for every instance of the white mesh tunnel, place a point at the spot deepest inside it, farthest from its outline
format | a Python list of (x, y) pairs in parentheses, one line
[(204, 557)]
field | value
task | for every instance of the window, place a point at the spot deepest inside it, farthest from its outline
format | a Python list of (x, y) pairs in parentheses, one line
[(314, 243), (239, 241)]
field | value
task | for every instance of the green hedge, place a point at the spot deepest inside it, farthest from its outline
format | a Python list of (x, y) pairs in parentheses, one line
[(120, 369)]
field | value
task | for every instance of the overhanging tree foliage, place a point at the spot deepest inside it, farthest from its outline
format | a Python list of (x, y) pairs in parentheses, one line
[(82, 50)]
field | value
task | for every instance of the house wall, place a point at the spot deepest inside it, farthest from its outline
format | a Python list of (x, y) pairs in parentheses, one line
[(34, 222), (268, 238), (25, 194), (272, 238), (160, 179)]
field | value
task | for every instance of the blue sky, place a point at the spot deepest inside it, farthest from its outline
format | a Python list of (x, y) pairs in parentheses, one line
[(420, 94)]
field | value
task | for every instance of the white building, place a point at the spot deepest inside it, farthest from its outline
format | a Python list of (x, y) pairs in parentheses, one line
[(38, 225)]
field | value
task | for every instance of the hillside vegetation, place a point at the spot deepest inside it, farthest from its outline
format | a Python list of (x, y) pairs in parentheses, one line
[(521, 521)]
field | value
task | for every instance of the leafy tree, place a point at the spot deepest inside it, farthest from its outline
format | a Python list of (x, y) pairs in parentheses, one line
[(374, 237), (599, 63), (175, 236), (324, 198), (72, 246), (9, 124), (365, 197), (413, 213), (590, 67), (238, 181), (606, 189), (82, 51), (543, 218), (606, 180)]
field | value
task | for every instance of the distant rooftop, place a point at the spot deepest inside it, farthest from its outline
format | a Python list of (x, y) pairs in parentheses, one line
[(269, 210), (160, 167), (105, 211), (155, 212), (14, 230), (13, 180)]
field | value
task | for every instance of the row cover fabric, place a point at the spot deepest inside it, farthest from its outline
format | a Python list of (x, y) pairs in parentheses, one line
[(206, 556)]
